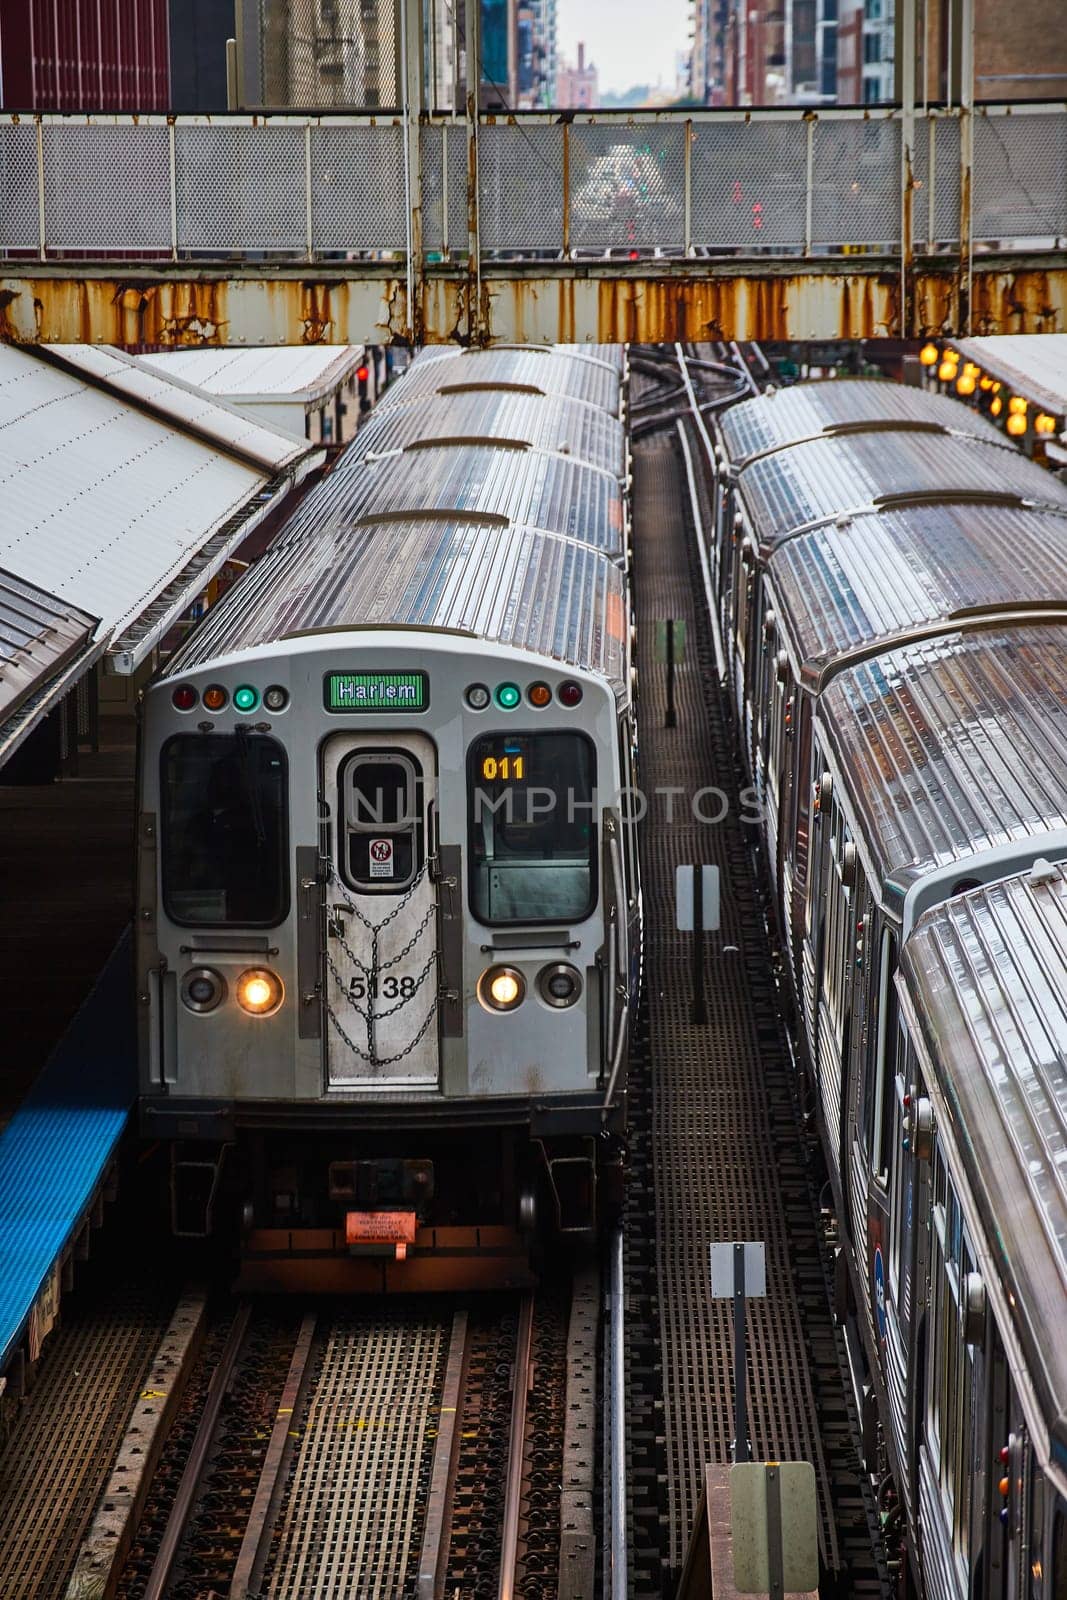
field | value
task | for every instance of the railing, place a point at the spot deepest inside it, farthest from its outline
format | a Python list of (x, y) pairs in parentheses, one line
[(268, 189)]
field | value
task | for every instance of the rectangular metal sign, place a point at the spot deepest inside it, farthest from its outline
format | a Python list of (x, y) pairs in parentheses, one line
[(676, 648), (723, 1275), (774, 1527), (376, 691), (684, 894)]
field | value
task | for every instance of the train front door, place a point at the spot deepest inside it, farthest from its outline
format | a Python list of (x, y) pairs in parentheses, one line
[(381, 912)]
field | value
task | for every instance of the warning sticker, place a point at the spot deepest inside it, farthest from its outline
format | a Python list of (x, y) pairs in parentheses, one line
[(381, 858), (380, 1227)]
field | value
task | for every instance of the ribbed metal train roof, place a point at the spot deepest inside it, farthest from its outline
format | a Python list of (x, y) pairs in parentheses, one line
[(784, 417), (517, 586), (953, 745), (605, 355), (524, 487), (540, 422), (551, 371), (878, 576), (988, 976), (39, 634), (825, 478)]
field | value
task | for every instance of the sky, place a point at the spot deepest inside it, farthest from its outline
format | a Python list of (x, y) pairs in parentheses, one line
[(630, 41)]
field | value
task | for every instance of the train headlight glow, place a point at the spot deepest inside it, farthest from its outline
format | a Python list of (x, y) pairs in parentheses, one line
[(501, 988), (560, 984), (259, 992)]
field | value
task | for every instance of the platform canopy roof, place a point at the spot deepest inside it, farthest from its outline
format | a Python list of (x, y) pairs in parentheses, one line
[(281, 382), (1034, 365), (121, 494)]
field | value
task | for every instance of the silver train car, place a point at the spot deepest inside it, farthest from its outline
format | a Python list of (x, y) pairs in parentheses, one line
[(891, 584), (389, 910)]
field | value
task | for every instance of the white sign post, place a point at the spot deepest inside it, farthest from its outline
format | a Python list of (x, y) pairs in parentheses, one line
[(737, 1271), (696, 908)]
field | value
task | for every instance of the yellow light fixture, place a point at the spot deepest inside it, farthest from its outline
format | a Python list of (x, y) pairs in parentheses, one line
[(259, 992), (965, 384), (1017, 405), (946, 371), (985, 383), (1043, 423), (996, 405), (501, 988), (929, 355), (1016, 425)]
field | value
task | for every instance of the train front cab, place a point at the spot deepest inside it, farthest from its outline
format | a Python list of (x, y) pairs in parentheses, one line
[(453, 972)]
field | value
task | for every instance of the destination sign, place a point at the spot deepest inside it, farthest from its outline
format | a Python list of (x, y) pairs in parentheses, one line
[(376, 691)]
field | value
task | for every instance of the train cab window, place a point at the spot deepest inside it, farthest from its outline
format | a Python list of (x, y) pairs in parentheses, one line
[(381, 817), (223, 830), (532, 827)]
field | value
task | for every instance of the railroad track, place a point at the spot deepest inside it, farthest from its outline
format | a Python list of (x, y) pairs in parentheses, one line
[(391, 1449)]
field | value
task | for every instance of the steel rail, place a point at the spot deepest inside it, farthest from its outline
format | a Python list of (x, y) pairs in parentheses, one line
[(249, 1560), (433, 1561), (159, 1577), (509, 1546), (617, 1421)]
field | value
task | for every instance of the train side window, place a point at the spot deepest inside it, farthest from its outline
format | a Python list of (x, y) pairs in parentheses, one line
[(1058, 1573), (878, 1117), (836, 948), (532, 827), (629, 809), (224, 830)]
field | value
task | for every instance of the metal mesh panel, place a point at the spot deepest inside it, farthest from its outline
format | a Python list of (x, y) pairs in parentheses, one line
[(1020, 177), (431, 142), (748, 182), (441, 145), (19, 227), (856, 179), (357, 188), (936, 213), (241, 188), (325, 54), (106, 188), (520, 180), (627, 187)]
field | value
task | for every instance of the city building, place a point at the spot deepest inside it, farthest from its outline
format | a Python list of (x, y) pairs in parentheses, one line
[(866, 51), (577, 88), (83, 57), (199, 30), (319, 54)]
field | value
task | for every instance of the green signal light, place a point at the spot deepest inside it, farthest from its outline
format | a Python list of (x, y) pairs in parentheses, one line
[(507, 696), (246, 698)]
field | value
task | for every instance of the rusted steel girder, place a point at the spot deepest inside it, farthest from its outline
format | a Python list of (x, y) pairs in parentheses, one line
[(535, 303)]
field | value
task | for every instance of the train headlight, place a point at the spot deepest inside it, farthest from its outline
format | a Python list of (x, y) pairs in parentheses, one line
[(560, 985), (501, 988), (203, 989), (259, 992)]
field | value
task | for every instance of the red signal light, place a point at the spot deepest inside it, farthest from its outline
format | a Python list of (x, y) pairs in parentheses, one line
[(362, 374), (570, 693), (184, 697)]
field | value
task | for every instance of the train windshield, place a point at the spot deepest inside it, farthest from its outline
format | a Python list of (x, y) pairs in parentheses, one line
[(223, 830), (532, 827)]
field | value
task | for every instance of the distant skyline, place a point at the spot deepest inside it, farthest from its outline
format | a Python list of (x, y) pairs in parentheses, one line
[(629, 41)]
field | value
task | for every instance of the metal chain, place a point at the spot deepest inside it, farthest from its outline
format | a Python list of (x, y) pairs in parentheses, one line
[(385, 1061), (394, 961), (379, 1016), (353, 909)]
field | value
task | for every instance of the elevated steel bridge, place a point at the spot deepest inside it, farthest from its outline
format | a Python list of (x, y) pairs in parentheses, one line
[(535, 227)]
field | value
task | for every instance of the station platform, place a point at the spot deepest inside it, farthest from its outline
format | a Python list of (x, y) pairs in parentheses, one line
[(56, 1155)]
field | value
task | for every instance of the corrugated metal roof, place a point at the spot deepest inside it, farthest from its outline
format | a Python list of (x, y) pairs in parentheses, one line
[(56, 1149), (550, 372), (540, 491), (262, 445), (873, 579), (1033, 364), (562, 426), (784, 417), (39, 635), (988, 977), (515, 585), (953, 746), (105, 505), (822, 479), (307, 373)]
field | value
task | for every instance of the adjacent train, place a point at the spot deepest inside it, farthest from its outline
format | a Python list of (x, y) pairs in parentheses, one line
[(389, 915), (891, 590)]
